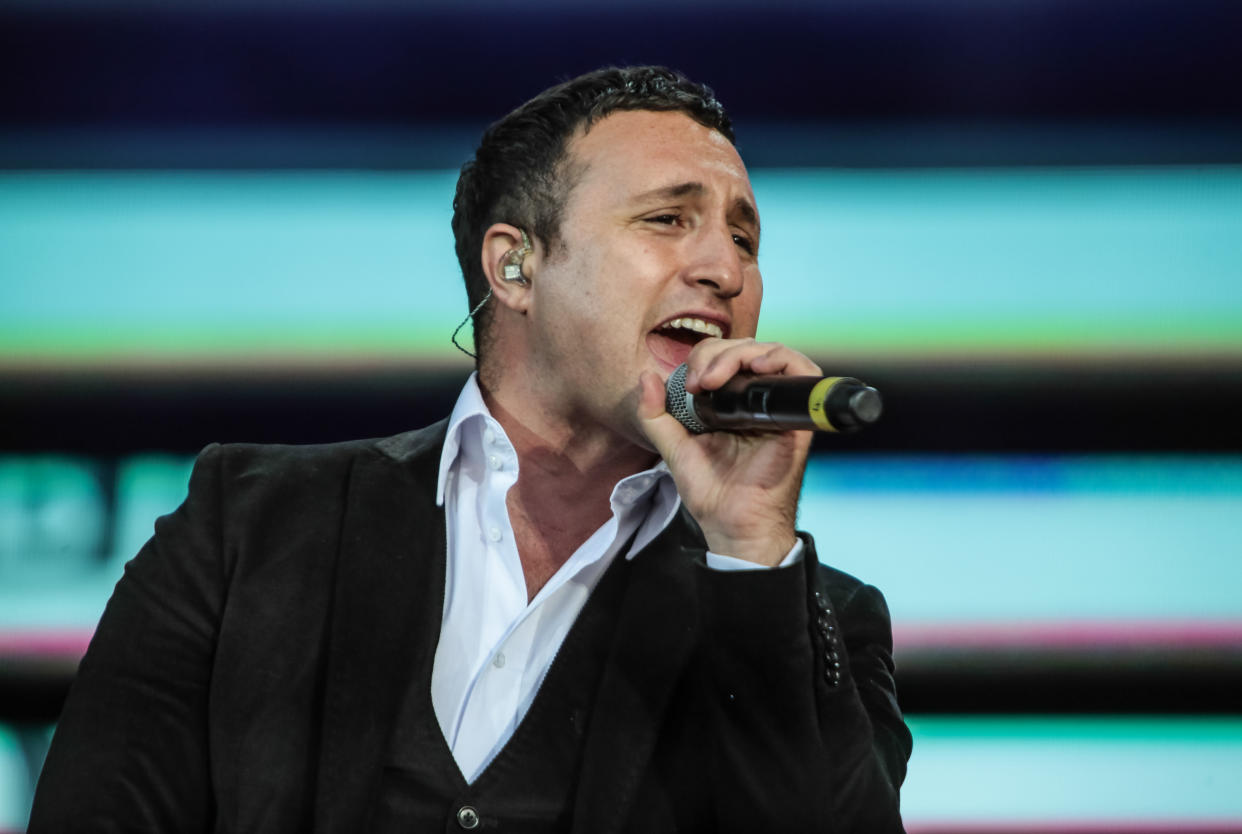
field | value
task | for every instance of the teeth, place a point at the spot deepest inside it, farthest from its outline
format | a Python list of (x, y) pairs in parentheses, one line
[(697, 325)]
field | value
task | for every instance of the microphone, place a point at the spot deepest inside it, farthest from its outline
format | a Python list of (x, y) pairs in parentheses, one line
[(774, 403)]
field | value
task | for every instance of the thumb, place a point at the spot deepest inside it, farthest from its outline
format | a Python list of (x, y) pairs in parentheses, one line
[(661, 428)]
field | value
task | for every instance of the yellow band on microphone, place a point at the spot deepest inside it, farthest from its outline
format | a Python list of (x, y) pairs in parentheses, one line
[(815, 403)]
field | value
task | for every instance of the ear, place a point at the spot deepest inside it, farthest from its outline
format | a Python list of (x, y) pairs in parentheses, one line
[(502, 245)]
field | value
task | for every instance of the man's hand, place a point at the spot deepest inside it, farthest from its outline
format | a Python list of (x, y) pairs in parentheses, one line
[(742, 489)]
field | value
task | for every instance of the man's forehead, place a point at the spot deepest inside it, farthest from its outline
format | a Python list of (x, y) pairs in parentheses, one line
[(649, 152)]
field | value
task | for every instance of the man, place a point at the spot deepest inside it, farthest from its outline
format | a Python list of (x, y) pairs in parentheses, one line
[(555, 611)]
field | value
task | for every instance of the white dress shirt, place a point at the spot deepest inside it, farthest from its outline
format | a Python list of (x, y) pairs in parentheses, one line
[(495, 648)]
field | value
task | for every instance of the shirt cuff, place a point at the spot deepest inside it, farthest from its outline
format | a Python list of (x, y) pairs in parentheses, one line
[(717, 561)]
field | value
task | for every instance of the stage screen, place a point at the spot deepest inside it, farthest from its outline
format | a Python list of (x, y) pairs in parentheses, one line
[(314, 267)]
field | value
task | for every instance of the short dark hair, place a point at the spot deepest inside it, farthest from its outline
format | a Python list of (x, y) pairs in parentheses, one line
[(518, 174)]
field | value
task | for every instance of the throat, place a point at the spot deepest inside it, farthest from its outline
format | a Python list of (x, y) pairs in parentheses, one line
[(545, 541)]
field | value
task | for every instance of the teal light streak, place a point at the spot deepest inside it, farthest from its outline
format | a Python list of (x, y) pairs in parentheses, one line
[(912, 262), (1010, 539), (1059, 769)]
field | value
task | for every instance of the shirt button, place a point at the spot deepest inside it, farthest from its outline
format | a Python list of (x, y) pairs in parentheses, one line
[(499, 660), (494, 461), (489, 436), (467, 817), (494, 534)]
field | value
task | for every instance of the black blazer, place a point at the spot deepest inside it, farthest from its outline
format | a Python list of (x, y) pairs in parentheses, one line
[(248, 669)]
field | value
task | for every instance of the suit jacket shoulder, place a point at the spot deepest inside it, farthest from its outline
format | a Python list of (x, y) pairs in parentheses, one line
[(201, 701), (301, 466)]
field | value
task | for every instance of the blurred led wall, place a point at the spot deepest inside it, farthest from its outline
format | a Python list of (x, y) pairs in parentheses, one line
[(312, 266), (1022, 221)]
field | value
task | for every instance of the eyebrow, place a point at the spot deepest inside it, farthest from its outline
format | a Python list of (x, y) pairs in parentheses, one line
[(743, 207), (670, 191), (695, 189)]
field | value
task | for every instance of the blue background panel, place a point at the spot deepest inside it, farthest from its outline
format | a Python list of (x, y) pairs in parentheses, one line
[(313, 266), (951, 540), (1117, 773), (979, 772), (1040, 541)]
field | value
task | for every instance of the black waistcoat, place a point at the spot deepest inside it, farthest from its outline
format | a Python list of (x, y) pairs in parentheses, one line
[(530, 784)]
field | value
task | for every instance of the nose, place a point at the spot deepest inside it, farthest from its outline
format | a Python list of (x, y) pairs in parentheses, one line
[(715, 261)]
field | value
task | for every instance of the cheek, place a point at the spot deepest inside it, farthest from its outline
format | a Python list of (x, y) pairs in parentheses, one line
[(747, 311), (622, 276)]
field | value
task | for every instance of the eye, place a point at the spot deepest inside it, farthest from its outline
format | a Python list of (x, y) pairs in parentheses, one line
[(745, 243), (665, 219)]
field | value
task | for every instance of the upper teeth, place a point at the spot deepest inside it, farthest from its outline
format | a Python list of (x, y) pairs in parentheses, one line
[(697, 325)]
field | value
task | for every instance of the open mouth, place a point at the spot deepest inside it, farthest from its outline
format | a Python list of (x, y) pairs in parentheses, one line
[(673, 340)]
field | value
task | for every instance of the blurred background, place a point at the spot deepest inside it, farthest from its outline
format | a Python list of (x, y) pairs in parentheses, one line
[(1020, 219)]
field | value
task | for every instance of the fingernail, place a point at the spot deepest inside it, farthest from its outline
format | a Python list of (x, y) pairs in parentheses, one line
[(692, 379)]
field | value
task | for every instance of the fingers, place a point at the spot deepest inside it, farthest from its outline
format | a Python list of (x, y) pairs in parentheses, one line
[(713, 362)]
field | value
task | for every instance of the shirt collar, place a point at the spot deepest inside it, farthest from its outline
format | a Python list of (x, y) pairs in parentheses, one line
[(470, 408)]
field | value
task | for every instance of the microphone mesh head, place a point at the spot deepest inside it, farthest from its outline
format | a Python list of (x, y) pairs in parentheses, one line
[(680, 404)]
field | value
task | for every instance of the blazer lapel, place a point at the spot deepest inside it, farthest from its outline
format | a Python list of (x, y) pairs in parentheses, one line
[(385, 619), (656, 630)]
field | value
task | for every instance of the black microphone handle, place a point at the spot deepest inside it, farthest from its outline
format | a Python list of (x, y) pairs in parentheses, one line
[(774, 403)]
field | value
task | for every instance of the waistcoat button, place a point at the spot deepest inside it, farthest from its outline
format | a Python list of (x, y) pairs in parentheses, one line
[(467, 817)]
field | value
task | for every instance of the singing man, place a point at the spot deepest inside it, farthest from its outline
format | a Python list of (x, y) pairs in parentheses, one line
[(556, 610)]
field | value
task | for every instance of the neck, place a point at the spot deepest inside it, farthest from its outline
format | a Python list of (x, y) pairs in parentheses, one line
[(567, 459), (567, 470)]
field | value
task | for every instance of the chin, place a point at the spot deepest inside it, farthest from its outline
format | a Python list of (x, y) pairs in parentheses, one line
[(626, 424)]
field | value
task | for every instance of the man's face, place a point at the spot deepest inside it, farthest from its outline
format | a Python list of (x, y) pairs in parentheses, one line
[(658, 250)]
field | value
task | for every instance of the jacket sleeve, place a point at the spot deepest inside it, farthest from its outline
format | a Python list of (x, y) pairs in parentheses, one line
[(801, 701), (130, 750)]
